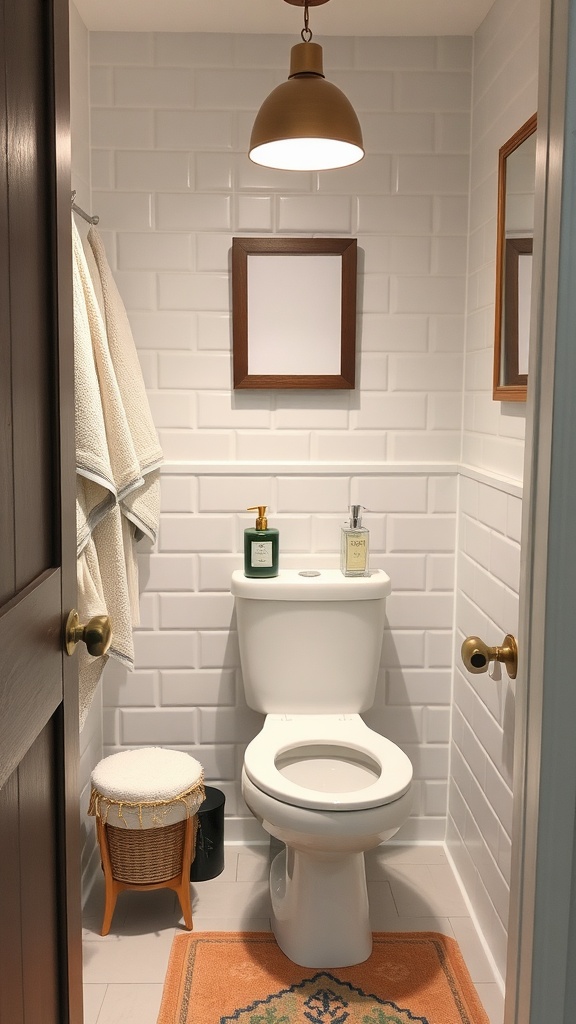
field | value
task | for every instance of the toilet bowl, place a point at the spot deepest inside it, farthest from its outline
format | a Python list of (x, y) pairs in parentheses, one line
[(330, 789), (327, 762), (316, 776)]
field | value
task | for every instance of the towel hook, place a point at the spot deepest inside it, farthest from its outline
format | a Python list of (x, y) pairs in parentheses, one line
[(91, 219)]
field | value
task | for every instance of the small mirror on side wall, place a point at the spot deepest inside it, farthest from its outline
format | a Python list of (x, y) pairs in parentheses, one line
[(515, 230)]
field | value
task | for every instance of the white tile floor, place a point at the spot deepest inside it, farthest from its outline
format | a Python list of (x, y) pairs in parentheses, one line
[(411, 888)]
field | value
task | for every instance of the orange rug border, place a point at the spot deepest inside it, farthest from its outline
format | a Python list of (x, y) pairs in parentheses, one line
[(176, 975)]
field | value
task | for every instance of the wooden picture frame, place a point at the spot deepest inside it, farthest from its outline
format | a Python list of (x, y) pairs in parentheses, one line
[(294, 312), (508, 384)]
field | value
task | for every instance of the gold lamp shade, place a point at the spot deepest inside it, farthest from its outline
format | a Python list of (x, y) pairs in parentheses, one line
[(306, 124)]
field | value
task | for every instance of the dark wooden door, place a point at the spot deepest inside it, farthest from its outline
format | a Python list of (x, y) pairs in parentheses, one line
[(40, 949)]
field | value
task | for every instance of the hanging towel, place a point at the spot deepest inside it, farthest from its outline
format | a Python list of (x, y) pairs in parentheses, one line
[(141, 505), (106, 466), (122, 455)]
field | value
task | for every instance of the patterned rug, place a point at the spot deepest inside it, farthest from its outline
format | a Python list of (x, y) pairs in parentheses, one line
[(243, 977)]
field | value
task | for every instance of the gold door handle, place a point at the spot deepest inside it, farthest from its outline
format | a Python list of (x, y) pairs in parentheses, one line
[(96, 634), (476, 655)]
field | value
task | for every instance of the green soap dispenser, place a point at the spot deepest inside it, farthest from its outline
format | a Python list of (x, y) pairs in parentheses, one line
[(261, 544)]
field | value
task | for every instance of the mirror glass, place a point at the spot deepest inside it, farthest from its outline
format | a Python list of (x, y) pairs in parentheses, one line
[(515, 230)]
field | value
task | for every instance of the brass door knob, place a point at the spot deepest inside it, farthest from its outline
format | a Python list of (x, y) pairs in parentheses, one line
[(477, 656), (96, 634)]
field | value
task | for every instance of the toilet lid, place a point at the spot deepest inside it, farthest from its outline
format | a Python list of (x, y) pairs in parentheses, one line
[(328, 762)]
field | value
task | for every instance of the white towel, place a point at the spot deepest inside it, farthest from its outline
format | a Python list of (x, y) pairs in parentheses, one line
[(122, 456), (92, 457), (105, 467), (141, 505)]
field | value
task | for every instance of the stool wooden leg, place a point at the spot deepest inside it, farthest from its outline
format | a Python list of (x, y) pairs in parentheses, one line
[(110, 903), (110, 887), (183, 888)]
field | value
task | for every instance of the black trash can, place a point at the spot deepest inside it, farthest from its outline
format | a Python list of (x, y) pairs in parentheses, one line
[(209, 859)]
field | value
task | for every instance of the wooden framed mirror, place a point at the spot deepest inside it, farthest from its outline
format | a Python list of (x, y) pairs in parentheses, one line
[(515, 229), (294, 312)]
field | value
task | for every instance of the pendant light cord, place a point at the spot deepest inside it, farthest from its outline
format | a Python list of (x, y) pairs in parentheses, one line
[(306, 33)]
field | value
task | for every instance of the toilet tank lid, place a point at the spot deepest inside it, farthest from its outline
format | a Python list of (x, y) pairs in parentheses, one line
[(312, 585)]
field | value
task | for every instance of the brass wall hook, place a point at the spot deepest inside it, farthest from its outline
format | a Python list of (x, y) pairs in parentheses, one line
[(477, 655)]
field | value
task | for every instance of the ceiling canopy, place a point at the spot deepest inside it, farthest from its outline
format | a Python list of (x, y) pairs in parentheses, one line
[(339, 17)]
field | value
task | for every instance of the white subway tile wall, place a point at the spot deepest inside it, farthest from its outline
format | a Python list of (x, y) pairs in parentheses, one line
[(170, 124), (171, 116), (480, 795), (170, 129), (505, 73)]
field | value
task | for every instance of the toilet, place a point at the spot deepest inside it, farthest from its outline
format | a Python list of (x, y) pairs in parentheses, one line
[(316, 777)]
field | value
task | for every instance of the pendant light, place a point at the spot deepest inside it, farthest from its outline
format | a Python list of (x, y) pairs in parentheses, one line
[(306, 124)]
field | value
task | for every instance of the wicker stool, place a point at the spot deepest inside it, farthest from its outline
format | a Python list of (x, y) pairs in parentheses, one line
[(146, 802)]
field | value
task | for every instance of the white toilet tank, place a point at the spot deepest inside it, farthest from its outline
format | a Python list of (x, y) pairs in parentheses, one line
[(310, 642)]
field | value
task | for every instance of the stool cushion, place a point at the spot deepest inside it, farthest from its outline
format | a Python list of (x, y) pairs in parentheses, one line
[(147, 787)]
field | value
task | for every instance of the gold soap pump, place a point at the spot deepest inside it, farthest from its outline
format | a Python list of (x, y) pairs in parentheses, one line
[(261, 546)]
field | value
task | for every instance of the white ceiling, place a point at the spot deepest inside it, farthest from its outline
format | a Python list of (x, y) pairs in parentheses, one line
[(340, 17)]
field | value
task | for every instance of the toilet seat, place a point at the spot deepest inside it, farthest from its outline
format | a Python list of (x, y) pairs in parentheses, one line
[(327, 762)]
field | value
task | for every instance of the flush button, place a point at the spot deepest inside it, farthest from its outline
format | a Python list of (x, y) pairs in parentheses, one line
[(309, 572)]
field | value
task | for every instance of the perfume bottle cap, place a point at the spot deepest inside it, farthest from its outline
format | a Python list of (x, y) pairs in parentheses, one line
[(356, 515), (261, 521)]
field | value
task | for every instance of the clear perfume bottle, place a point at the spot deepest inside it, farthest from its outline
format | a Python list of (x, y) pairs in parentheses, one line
[(355, 545)]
